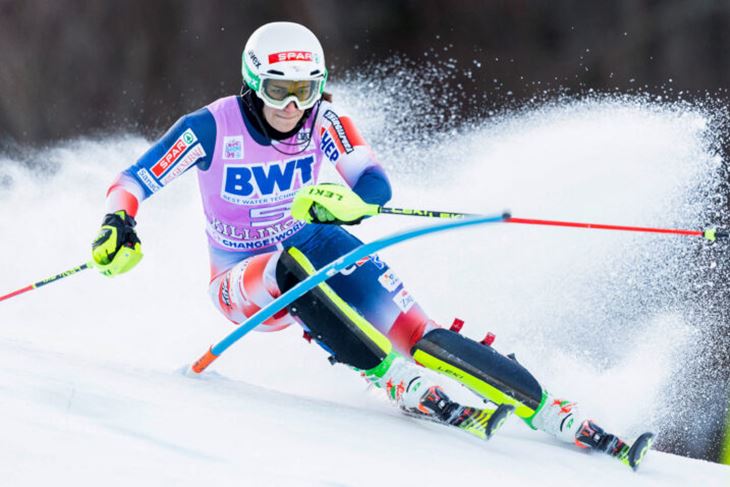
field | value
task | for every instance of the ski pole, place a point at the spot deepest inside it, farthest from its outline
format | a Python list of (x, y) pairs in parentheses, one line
[(325, 273), (48, 280), (710, 234)]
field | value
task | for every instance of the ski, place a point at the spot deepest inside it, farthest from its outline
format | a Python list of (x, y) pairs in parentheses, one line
[(633, 455), (485, 422)]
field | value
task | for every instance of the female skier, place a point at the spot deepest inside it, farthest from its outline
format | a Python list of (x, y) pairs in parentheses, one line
[(253, 153)]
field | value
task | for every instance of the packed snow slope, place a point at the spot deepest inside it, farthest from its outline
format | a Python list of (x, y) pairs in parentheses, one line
[(91, 390)]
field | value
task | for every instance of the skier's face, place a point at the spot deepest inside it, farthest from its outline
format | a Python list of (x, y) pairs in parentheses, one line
[(284, 119)]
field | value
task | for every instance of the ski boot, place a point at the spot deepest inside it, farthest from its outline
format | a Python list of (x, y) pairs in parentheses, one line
[(561, 419), (418, 395), (435, 405), (593, 436)]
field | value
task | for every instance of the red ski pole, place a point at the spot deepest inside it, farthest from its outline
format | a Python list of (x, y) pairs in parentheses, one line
[(48, 280), (711, 234)]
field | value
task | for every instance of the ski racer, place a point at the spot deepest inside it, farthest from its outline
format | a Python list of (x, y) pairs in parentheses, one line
[(259, 154)]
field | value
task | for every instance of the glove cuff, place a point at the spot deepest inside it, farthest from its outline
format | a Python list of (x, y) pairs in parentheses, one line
[(119, 218)]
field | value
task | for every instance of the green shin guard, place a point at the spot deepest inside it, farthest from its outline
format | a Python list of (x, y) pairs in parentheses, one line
[(350, 338), (480, 368)]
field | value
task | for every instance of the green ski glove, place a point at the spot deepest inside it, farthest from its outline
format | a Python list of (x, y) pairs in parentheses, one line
[(330, 203), (117, 248)]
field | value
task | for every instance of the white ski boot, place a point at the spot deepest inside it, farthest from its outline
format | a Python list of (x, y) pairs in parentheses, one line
[(559, 418), (418, 395)]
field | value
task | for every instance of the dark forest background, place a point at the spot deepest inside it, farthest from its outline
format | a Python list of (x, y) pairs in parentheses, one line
[(70, 67), (78, 67)]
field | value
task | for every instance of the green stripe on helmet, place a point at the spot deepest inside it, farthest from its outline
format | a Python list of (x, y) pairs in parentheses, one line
[(324, 81), (251, 79)]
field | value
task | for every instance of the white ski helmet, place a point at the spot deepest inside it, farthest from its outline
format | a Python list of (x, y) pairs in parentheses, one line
[(284, 62)]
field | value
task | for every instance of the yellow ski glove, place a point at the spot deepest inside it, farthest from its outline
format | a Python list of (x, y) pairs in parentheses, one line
[(330, 203), (117, 248)]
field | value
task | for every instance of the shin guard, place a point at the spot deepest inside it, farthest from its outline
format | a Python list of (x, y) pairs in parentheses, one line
[(350, 338), (481, 369)]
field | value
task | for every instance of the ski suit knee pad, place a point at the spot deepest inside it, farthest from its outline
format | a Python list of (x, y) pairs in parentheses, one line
[(248, 286), (335, 325), (480, 368)]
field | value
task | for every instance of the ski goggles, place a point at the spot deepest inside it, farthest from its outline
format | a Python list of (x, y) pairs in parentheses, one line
[(278, 93)]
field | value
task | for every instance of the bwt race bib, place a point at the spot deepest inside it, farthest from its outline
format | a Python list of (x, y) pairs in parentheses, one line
[(265, 182)]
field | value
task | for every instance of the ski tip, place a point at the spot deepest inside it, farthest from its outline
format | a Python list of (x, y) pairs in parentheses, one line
[(497, 419), (638, 450)]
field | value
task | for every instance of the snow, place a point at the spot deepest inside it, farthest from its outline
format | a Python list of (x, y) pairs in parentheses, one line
[(92, 390)]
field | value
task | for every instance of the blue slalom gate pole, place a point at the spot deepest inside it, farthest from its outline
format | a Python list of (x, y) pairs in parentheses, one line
[(328, 271)]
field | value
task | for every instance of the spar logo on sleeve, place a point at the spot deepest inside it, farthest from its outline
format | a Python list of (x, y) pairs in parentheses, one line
[(183, 164), (173, 155)]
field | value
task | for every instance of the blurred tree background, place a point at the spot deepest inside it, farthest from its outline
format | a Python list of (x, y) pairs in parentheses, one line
[(70, 67), (80, 67)]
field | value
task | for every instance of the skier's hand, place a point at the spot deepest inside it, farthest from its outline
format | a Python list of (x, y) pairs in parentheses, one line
[(117, 248), (330, 203), (320, 214)]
